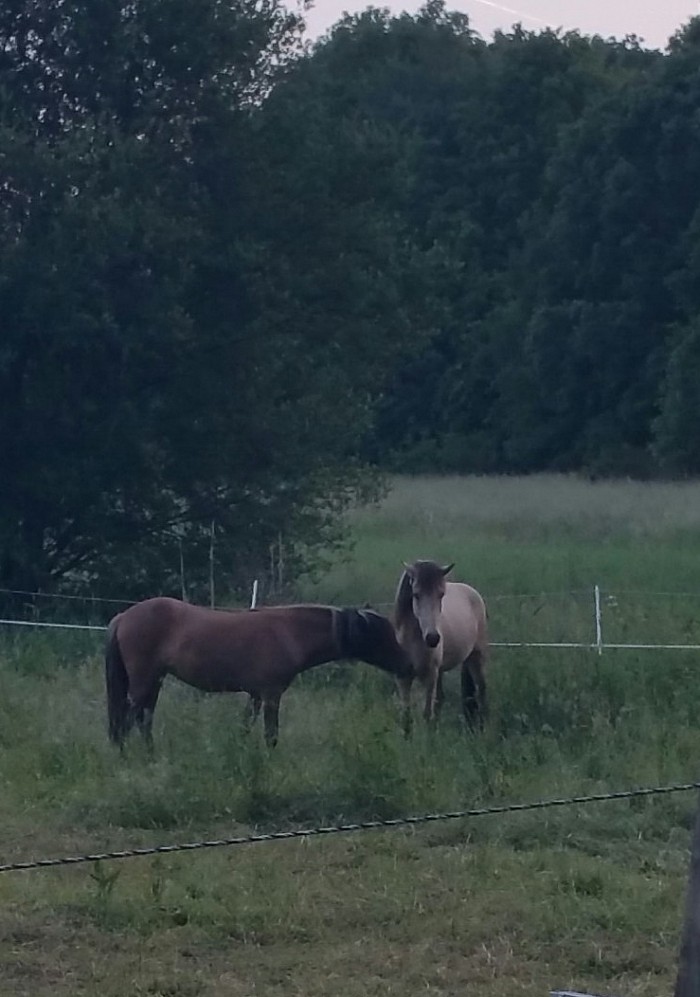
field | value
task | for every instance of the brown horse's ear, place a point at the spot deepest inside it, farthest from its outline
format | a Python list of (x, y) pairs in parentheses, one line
[(448, 569), (409, 569)]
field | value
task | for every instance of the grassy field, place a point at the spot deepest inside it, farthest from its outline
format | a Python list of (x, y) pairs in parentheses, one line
[(582, 897)]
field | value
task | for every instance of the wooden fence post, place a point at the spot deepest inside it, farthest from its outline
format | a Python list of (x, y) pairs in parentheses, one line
[(182, 571), (212, 596), (688, 979)]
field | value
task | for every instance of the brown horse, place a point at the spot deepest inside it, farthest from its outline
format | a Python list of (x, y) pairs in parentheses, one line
[(441, 625), (257, 651)]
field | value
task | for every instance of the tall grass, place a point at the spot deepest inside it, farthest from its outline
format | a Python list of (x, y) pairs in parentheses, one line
[(544, 533)]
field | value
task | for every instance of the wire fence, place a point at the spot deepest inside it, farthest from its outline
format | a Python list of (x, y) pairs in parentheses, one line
[(53, 626), (593, 619), (61, 597), (367, 825)]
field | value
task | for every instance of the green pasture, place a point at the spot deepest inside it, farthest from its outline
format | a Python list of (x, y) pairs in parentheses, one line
[(587, 898)]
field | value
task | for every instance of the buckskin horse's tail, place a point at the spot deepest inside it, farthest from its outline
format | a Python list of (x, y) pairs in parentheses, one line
[(117, 682)]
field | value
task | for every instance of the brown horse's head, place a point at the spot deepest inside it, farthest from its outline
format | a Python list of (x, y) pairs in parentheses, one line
[(421, 591), (368, 636)]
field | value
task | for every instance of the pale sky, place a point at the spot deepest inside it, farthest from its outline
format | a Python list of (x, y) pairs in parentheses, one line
[(653, 20)]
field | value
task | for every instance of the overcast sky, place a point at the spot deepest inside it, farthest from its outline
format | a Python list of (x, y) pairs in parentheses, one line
[(652, 20)]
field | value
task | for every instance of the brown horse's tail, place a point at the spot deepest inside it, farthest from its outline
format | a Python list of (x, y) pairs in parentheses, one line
[(117, 682)]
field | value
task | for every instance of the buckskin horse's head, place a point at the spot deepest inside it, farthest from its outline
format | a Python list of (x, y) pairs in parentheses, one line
[(424, 582)]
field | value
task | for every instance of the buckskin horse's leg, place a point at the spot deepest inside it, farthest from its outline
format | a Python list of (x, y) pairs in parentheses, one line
[(477, 667), (271, 708), (474, 690), (404, 687), (431, 693), (439, 695)]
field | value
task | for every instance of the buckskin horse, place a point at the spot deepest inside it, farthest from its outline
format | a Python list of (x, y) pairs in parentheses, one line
[(440, 625), (257, 651)]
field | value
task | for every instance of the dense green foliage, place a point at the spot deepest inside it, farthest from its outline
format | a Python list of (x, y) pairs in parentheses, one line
[(234, 270), (181, 342), (559, 175)]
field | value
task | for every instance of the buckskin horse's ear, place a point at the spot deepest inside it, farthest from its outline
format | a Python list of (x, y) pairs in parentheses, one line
[(448, 569)]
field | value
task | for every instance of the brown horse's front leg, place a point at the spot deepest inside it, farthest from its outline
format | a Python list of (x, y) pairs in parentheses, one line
[(404, 686), (271, 708)]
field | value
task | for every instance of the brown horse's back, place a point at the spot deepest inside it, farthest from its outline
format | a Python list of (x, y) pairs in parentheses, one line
[(219, 651)]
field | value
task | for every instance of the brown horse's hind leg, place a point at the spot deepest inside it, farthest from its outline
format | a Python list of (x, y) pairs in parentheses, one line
[(251, 710), (271, 709), (143, 714), (474, 690)]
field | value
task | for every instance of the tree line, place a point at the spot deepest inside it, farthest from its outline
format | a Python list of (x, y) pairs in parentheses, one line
[(241, 275)]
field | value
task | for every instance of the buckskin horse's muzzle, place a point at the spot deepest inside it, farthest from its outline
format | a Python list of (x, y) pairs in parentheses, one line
[(432, 638)]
